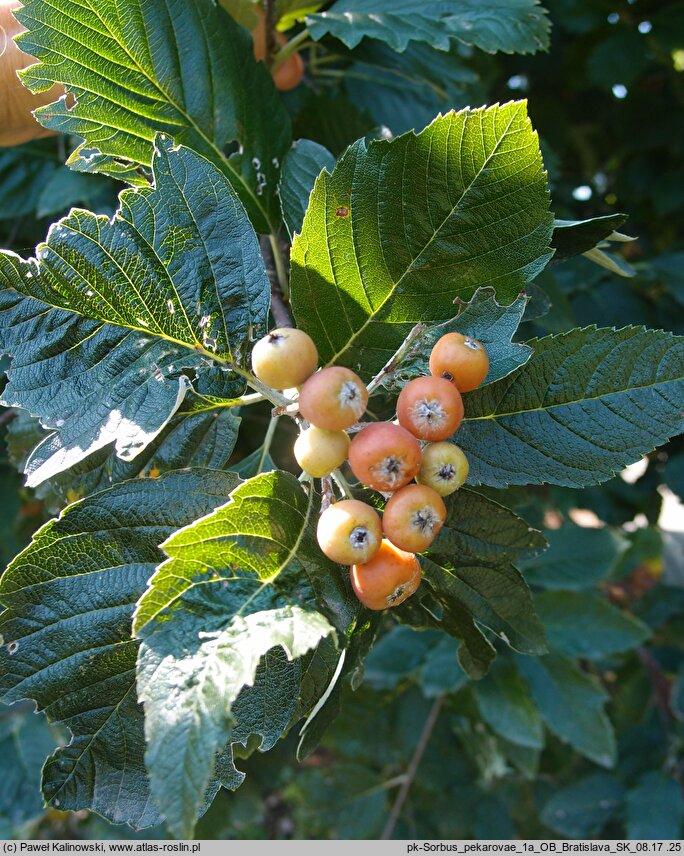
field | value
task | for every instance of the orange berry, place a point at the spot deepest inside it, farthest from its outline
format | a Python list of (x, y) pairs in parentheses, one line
[(388, 579), (413, 517), (349, 531), (461, 360), (430, 408), (334, 398), (384, 456)]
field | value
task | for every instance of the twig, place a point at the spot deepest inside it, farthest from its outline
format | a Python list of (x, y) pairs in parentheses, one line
[(268, 439), (401, 353), (343, 484), (269, 29), (659, 683), (280, 269), (412, 769), (291, 47), (279, 309), (7, 416), (327, 495)]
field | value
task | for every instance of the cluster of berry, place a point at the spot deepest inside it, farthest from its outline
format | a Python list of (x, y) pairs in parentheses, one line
[(383, 456)]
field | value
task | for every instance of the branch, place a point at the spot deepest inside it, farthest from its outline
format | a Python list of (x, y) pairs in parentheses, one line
[(412, 769), (7, 416), (400, 355), (269, 30), (275, 269)]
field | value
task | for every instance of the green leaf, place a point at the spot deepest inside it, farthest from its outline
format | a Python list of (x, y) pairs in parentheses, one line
[(194, 660), (24, 173), (203, 439), (571, 704), (516, 26), (470, 563), (483, 319), (398, 655), (265, 528), (25, 741), (495, 596), (402, 228), (69, 599), (655, 808), (441, 673), (506, 706), (184, 69), (587, 403), (577, 558), (479, 529), (117, 312), (407, 90), (230, 591), (582, 809), (301, 167), (574, 237), (583, 625)]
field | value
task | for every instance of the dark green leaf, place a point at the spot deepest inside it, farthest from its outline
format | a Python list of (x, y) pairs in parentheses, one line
[(301, 167), (479, 529), (185, 69), (177, 278), (516, 26), (69, 599), (398, 655), (441, 673), (582, 809), (506, 706), (496, 596), (25, 741), (587, 403), (584, 625), (404, 227), (24, 173), (577, 558), (571, 704), (655, 808), (574, 237)]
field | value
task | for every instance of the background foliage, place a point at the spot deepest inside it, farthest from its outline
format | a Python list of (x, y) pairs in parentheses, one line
[(585, 741)]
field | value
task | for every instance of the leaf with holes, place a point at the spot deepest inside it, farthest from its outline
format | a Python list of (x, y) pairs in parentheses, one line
[(106, 322), (184, 69), (402, 228)]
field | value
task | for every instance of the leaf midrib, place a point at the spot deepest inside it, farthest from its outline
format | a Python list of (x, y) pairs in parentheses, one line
[(573, 402)]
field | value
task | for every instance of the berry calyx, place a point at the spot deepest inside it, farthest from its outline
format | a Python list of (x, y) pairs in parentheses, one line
[(384, 456), (319, 452), (413, 517), (349, 532), (430, 408), (388, 579), (284, 358), (444, 468), (334, 398), (461, 360)]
